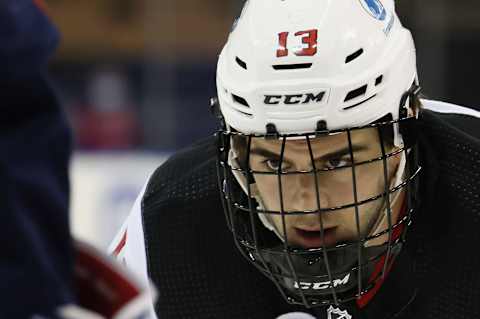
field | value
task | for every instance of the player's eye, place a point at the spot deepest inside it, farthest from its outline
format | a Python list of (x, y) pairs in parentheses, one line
[(273, 164), (337, 162)]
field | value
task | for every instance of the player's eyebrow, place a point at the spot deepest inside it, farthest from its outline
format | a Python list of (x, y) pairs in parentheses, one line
[(333, 154)]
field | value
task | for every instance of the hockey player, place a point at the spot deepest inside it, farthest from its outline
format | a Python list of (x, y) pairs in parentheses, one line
[(347, 195)]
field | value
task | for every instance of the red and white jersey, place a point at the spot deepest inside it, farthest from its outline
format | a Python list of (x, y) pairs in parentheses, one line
[(128, 247)]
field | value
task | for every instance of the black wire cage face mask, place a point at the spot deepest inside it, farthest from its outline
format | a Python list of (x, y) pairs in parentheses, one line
[(323, 215)]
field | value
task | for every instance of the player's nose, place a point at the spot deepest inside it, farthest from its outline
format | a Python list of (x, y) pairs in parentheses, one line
[(307, 195)]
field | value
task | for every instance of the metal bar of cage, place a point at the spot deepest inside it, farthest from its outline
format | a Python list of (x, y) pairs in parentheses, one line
[(387, 201), (282, 210), (333, 209), (401, 222), (252, 220), (322, 229), (222, 183), (325, 169), (357, 217)]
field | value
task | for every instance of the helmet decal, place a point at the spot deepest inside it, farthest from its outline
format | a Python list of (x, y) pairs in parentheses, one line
[(375, 9), (389, 25), (309, 43), (291, 99)]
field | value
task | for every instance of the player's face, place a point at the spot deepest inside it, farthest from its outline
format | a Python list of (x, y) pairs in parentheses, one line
[(334, 187)]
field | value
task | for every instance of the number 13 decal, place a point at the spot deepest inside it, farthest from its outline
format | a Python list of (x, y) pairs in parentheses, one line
[(309, 37)]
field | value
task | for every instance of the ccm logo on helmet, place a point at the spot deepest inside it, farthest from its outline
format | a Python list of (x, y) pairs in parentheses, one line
[(294, 98), (322, 285)]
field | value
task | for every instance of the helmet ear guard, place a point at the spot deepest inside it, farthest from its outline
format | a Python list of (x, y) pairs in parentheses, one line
[(408, 127), (216, 111)]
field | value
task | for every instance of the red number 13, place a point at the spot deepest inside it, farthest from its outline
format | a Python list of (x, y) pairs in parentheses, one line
[(309, 37)]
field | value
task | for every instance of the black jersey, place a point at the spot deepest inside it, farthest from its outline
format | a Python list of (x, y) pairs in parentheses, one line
[(191, 257)]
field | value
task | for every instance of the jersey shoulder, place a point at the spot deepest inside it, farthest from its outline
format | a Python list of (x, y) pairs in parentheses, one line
[(128, 245), (464, 120), (188, 174)]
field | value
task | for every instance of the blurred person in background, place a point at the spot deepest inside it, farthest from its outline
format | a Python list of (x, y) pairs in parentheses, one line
[(325, 158), (43, 272), (108, 120), (37, 260)]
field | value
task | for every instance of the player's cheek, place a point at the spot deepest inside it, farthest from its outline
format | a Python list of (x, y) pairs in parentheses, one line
[(268, 190), (370, 181)]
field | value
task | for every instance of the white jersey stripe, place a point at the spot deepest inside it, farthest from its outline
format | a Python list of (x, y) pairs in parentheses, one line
[(444, 107), (129, 248)]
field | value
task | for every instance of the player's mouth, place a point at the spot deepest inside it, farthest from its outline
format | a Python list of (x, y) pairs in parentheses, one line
[(311, 238)]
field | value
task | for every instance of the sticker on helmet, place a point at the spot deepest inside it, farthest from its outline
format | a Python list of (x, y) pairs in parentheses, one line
[(308, 45), (335, 313), (389, 25), (375, 8), (291, 99)]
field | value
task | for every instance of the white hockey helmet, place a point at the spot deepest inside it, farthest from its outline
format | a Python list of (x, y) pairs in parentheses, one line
[(294, 64)]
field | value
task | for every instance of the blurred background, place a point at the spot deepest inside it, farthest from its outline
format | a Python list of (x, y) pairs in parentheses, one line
[(135, 77)]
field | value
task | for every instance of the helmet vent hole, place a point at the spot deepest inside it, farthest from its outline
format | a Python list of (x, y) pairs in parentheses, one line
[(241, 63), (356, 93), (354, 55), (244, 113), (379, 80), (281, 67), (240, 100), (361, 102)]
